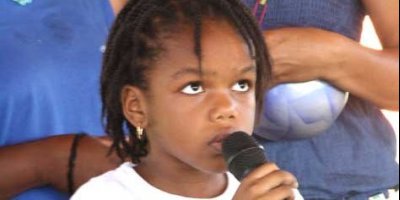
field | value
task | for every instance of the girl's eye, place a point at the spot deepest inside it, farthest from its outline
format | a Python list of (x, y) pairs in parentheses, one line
[(193, 88), (241, 86)]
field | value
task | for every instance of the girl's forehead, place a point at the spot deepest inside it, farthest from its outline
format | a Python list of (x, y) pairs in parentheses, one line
[(211, 72), (221, 47), (217, 37), (184, 64)]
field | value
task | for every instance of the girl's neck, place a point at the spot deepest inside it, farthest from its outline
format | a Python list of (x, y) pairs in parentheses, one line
[(180, 179)]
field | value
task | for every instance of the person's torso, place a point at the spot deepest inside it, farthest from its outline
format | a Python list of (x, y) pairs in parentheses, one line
[(356, 156), (50, 61)]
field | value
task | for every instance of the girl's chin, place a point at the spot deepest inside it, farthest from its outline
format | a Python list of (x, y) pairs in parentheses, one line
[(219, 168)]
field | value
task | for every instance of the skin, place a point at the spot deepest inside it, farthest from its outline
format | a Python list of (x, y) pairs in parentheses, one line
[(184, 149), (304, 54), (117, 5), (51, 167), (45, 162)]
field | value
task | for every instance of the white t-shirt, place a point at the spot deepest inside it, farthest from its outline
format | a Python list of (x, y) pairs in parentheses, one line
[(124, 183)]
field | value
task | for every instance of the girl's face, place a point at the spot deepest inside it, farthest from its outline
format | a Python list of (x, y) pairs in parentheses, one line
[(189, 110)]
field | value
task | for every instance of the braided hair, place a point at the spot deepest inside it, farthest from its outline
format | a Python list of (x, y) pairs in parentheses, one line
[(135, 41)]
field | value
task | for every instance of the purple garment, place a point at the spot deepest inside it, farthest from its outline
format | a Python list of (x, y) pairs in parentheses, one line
[(355, 158), (50, 61)]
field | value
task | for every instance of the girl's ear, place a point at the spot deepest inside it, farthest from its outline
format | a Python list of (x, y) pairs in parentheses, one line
[(133, 103)]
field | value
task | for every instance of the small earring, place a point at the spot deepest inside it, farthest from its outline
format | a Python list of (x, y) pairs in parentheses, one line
[(139, 132)]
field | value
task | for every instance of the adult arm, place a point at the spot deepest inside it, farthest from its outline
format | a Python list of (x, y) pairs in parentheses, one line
[(45, 162), (303, 54)]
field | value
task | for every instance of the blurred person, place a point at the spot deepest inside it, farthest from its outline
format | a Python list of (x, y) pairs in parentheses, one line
[(50, 60), (314, 39)]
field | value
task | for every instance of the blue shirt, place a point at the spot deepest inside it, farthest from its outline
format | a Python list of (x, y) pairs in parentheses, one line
[(355, 158), (50, 61)]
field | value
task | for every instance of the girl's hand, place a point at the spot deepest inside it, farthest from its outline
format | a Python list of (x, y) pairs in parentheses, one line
[(303, 54), (267, 182)]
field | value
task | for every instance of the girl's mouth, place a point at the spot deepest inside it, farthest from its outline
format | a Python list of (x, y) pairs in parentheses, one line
[(216, 142)]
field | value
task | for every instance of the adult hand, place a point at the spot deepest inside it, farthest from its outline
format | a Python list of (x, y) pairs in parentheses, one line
[(303, 54)]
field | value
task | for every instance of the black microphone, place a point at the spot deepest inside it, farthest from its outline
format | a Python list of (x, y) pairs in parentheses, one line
[(242, 154)]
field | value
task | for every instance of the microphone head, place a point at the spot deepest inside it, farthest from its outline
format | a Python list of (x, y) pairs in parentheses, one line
[(242, 153)]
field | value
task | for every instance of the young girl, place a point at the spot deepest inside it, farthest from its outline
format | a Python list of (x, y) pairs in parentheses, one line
[(178, 77)]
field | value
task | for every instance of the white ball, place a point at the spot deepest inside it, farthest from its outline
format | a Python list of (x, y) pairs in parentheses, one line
[(300, 110)]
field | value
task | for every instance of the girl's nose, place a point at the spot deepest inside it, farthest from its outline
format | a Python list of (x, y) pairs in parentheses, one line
[(224, 107)]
